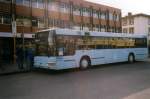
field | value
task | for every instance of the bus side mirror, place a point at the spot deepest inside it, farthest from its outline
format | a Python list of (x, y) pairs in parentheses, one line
[(61, 51)]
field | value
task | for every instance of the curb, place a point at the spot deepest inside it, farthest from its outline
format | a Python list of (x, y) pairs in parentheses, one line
[(13, 72)]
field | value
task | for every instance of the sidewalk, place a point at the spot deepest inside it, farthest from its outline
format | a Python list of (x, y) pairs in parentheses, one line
[(145, 94), (148, 60), (11, 68)]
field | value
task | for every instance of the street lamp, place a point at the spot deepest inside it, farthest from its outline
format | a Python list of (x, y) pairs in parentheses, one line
[(22, 35), (14, 32)]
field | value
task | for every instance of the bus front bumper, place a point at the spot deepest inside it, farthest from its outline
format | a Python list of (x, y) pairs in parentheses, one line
[(51, 66), (45, 62)]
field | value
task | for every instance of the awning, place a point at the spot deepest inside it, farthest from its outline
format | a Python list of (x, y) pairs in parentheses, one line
[(19, 35)]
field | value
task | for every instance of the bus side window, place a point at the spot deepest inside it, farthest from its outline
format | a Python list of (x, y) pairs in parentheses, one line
[(99, 46), (91, 47)]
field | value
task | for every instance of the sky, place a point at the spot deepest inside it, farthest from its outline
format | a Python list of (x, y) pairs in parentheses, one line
[(134, 6)]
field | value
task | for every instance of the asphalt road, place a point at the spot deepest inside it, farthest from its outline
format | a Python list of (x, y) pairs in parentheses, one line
[(113, 81)]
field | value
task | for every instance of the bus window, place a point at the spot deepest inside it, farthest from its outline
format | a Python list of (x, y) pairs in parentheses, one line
[(67, 43), (41, 44), (91, 46), (45, 44), (141, 42)]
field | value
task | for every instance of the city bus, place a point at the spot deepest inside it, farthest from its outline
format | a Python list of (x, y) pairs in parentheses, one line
[(59, 49)]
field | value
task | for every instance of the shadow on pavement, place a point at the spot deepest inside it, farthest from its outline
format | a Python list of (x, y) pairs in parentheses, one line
[(57, 72)]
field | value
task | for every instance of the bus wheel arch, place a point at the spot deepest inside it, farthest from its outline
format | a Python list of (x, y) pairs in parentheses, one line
[(131, 57), (85, 62)]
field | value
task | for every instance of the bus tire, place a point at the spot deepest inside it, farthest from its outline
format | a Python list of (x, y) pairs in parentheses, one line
[(85, 63), (131, 58)]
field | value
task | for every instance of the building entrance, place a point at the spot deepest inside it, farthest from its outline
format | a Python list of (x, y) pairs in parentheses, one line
[(6, 48)]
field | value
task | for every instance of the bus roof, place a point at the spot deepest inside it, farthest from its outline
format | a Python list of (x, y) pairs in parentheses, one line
[(94, 33)]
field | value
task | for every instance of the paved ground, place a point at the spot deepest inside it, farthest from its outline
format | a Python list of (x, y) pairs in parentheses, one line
[(145, 94), (114, 81), (12, 68)]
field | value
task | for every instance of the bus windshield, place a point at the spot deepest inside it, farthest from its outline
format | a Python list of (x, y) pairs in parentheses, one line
[(45, 43)]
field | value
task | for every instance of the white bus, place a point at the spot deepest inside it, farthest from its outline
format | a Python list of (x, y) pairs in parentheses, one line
[(65, 48)]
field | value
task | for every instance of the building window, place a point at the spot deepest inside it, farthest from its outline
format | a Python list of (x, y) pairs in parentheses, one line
[(86, 12), (117, 30), (34, 3), (76, 10), (125, 30), (113, 29), (115, 17), (64, 8), (23, 2), (110, 29), (56, 22), (6, 19), (19, 21), (23, 21), (34, 22), (41, 23), (52, 6), (85, 27), (110, 16), (81, 26), (103, 15), (131, 21), (96, 27), (124, 22), (40, 4), (131, 30), (95, 14), (19, 2), (76, 27), (26, 2), (27, 22), (103, 28)]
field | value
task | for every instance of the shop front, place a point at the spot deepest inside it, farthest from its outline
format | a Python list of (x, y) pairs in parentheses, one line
[(6, 50), (8, 47)]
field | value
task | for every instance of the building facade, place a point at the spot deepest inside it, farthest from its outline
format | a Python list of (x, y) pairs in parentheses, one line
[(138, 23), (34, 15)]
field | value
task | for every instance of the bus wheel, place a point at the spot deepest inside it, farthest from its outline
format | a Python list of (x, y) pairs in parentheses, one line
[(131, 58), (85, 63)]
